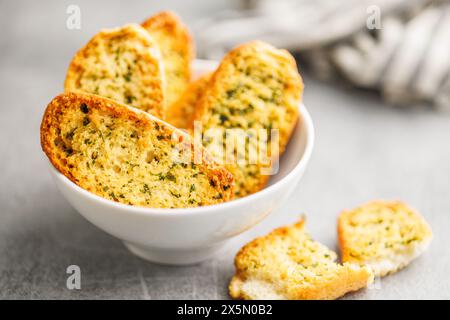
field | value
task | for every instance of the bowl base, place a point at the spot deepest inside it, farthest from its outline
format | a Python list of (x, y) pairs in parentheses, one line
[(174, 256)]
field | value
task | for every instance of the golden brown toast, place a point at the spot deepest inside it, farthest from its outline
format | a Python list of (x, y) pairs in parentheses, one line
[(181, 113), (123, 64), (129, 156), (385, 235), (256, 87), (177, 49), (288, 264)]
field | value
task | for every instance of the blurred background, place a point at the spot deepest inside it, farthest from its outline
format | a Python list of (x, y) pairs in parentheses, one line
[(377, 85)]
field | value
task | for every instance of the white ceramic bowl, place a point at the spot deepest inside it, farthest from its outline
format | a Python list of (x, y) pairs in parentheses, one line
[(186, 236)]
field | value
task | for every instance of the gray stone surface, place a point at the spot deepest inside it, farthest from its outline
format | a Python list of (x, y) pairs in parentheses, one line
[(364, 150)]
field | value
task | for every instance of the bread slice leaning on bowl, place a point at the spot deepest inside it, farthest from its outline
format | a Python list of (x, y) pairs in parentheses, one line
[(255, 90), (128, 156), (384, 235), (123, 64), (182, 112)]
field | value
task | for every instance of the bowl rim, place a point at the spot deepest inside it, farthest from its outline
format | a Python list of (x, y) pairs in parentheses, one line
[(170, 212)]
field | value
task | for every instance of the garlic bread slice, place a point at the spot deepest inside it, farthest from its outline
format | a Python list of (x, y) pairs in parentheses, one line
[(128, 156), (123, 64), (181, 113), (385, 235), (288, 264), (256, 87), (177, 49)]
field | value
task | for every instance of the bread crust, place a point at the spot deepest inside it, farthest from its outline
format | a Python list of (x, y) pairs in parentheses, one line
[(381, 258), (50, 133), (174, 39), (266, 266), (149, 82), (291, 96)]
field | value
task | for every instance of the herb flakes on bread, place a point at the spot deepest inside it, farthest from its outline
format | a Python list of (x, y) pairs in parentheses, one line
[(123, 64), (256, 86), (288, 264), (126, 155), (177, 50), (385, 235)]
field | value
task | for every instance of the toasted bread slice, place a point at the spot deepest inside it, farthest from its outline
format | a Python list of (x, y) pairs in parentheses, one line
[(256, 87), (385, 235), (123, 64), (288, 264), (177, 49), (181, 113), (129, 156)]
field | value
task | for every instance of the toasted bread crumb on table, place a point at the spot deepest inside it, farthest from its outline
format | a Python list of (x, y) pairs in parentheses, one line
[(182, 112), (288, 264), (126, 155), (385, 235)]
